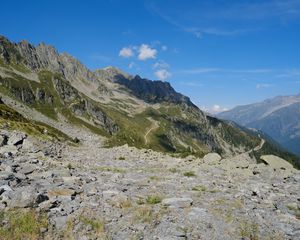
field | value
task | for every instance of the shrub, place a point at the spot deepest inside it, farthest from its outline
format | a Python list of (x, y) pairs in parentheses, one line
[(153, 199), (189, 174)]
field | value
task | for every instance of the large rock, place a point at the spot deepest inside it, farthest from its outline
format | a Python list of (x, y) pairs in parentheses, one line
[(276, 162), (16, 138), (8, 150), (177, 202), (212, 158), (22, 198)]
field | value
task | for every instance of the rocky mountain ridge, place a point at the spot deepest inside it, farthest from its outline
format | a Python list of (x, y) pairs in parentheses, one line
[(114, 104)]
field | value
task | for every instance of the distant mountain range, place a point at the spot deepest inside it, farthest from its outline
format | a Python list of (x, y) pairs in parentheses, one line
[(124, 109), (278, 117)]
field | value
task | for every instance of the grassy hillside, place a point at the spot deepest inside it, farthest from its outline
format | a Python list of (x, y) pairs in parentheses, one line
[(10, 119), (175, 128)]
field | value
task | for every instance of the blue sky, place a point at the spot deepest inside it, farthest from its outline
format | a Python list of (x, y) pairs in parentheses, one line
[(220, 53)]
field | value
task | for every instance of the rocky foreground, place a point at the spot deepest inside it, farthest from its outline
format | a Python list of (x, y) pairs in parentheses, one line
[(54, 190)]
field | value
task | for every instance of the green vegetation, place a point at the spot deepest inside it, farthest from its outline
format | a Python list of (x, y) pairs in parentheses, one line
[(236, 136), (249, 230), (155, 199), (199, 188), (173, 170), (189, 174), (182, 130), (144, 214), (11, 119), (97, 225), (22, 224), (50, 102)]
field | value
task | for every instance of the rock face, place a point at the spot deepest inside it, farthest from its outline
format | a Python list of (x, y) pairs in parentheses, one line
[(152, 91)]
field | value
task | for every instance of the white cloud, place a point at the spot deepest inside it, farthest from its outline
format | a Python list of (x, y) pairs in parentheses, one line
[(263, 85), (126, 52), (224, 70), (162, 74), (160, 64), (199, 70), (217, 109), (146, 52)]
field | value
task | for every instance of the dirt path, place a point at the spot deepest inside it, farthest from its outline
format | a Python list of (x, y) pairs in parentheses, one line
[(154, 126), (262, 142)]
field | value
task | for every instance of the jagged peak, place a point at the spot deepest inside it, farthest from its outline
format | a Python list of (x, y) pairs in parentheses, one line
[(111, 72)]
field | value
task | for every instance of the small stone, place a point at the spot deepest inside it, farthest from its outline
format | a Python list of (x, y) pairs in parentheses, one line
[(109, 194), (178, 202), (43, 230), (60, 222), (6, 175), (9, 169), (5, 188), (3, 140), (27, 169)]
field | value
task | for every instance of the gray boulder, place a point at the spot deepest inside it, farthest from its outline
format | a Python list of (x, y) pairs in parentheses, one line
[(177, 202), (16, 138), (23, 197)]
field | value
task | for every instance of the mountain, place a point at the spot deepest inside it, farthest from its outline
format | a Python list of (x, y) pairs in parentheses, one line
[(106, 155), (278, 117), (58, 90)]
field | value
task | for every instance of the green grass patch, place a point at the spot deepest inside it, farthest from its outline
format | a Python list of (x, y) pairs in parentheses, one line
[(155, 199), (199, 188), (13, 120), (22, 224), (189, 174)]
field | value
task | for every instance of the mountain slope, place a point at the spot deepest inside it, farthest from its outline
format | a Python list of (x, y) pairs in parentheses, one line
[(114, 104), (277, 117)]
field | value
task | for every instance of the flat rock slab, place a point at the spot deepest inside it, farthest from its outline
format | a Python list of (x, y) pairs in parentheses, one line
[(276, 162), (27, 169), (61, 192), (177, 202)]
